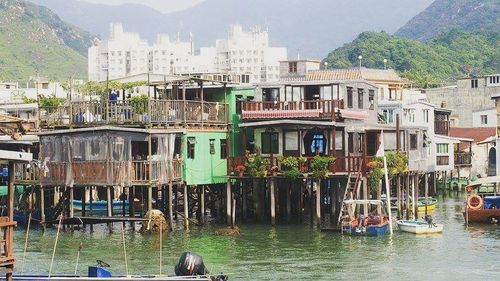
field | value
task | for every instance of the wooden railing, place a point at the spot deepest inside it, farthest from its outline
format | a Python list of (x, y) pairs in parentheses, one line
[(347, 164), (442, 127), (7, 259), (26, 173), (463, 158), (324, 108), (158, 112)]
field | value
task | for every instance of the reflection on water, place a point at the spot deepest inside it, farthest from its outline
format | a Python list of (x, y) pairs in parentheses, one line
[(285, 252)]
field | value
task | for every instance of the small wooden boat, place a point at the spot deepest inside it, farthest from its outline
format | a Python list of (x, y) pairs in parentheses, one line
[(100, 206), (419, 227), (371, 225), (483, 203), (430, 202)]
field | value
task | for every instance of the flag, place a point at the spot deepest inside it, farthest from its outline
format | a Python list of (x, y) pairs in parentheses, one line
[(381, 149)]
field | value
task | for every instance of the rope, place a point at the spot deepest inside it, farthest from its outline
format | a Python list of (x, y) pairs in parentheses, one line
[(55, 244), (26, 242), (124, 250)]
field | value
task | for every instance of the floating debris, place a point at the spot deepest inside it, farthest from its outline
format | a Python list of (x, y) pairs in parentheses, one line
[(228, 231), (156, 221)]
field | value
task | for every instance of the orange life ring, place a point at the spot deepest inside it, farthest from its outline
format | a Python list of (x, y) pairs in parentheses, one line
[(475, 202)]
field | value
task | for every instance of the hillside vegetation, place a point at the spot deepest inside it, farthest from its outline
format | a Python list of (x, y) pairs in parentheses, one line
[(451, 55), (443, 15), (35, 42)]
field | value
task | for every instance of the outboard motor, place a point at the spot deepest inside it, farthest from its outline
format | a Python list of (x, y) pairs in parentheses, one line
[(190, 264)]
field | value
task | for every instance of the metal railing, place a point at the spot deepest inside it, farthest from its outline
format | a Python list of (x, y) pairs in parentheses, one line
[(463, 158), (158, 112), (442, 127)]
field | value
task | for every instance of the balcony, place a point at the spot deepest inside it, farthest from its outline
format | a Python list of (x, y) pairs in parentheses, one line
[(309, 109), (463, 158), (141, 173), (347, 164), (442, 127), (127, 113)]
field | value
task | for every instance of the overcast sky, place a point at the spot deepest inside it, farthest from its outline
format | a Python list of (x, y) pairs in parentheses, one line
[(161, 5)]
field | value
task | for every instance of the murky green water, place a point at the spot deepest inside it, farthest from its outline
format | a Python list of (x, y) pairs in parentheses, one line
[(285, 252)]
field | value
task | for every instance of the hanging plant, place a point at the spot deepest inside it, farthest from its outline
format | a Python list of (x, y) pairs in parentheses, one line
[(397, 163), (376, 172), (290, 166), (319, 166)]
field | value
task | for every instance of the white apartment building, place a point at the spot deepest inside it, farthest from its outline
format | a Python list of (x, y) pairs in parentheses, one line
[(126, 54)]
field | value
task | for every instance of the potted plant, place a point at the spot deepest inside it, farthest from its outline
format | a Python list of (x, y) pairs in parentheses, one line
[(257, 165), (240, 169), (376, 172), (139, 106), (292, 166), (320, 165)]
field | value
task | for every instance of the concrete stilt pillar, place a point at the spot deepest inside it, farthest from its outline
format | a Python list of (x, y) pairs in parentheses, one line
[(71, 198), (150, 198), (365, 196), (202, 204), (109, 202), (42, 204)]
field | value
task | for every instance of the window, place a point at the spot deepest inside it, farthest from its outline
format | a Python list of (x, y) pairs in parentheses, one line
[(413, 141), (388, 115), (223, 149), (442, 148), (292, 67), (318, 144), (239, 104), (361, 95), (484, 119), (371, 96), (426, 115), (270, 143), (494, 79), (212, 146), (190, 148), (349, 97), (474, 83)]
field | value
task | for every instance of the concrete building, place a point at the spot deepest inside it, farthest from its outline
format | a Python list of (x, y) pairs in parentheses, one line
[(242, 52), (466, 97), (484, 118)]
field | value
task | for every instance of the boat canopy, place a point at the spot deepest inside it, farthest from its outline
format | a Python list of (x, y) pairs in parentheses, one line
[(486, 180), (372, 202)]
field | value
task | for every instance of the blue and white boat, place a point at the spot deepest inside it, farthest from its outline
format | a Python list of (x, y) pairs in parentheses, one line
[(100, 206)]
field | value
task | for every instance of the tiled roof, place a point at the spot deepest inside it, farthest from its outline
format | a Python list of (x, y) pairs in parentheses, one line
[(369, 74), (477, 134)]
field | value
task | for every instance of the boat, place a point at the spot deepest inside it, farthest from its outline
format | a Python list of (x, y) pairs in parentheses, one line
[(371, 225), (430, 202), (483, 202), (100, 206), (419, 227), (189, 267)]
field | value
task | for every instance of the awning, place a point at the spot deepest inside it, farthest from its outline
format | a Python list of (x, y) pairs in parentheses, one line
[(351, 114)]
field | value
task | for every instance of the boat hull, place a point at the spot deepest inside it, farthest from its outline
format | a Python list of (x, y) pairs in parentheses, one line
[(483, 216), (99, 206), (371, 230), (417, 227)]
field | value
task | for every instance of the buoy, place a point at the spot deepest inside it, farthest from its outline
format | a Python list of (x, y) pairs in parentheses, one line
[(475, 202)]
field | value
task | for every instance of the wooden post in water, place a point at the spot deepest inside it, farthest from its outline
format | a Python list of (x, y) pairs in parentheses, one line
[(170, 207), (426, 191), (273, 200), (256, 198), (407, 194), (202, 204), (186, 207), (459, 180), (365, 196), (42, 204), (398, 188), (288, 190), (109, 202), (244, 194), (318, 202), (71, 198), (435, 181), (228, 202), (150, 198)]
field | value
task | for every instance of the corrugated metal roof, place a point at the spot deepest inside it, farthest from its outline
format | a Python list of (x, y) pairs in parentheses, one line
[(369, 74)]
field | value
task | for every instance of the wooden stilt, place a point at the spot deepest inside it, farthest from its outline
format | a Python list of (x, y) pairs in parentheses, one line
[(170, 207), (318, 202), (398, 203), (407, 194), (288, 202), (42, 204), (272, 195), (244, 200), (228, 202), (426, 191), (202, 204), (365, 196), (71, 198), (459, 181), (186, 207), (84, 200), (150, 198), (109, 202), (256, 198)]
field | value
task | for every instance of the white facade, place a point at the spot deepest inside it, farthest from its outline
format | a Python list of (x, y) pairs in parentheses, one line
[(126, 54), (484, 118)]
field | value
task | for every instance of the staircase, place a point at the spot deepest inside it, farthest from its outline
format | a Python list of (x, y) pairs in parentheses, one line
[(350, 193)]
